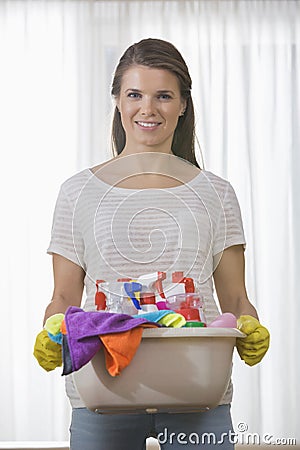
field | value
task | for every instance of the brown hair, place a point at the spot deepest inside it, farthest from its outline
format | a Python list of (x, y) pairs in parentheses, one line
[(158, 54)]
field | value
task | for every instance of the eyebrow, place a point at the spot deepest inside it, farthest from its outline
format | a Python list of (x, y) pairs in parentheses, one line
[(160, 91)]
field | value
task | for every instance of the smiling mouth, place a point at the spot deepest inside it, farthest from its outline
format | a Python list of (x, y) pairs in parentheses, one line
[(149, 125)]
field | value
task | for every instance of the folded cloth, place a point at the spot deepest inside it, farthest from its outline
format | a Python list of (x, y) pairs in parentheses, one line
[(67, 361), (154, 316), (55, 337), (53, 323), (83, 329), (120, 348), (173, 320)]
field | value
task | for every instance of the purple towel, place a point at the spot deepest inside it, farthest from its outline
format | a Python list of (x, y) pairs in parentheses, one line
[(84, 328)]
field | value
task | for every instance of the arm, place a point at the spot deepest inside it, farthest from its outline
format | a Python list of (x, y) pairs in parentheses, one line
[(229, 279), (68, 286)]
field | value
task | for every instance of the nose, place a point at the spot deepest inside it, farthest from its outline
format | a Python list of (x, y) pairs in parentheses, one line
[(147, 107)]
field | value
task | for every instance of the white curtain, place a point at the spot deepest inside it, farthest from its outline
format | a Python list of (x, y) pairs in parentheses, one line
[(57, 59)]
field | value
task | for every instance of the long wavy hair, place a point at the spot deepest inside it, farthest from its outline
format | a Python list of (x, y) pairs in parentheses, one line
[(158, 54)]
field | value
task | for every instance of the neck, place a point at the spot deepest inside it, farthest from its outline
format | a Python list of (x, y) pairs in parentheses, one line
[(147, 161)]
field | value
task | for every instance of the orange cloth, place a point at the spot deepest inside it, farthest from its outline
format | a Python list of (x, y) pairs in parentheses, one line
[(120, 348), (63, 327)]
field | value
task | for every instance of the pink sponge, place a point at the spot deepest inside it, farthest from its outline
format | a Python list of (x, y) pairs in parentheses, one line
[(226, 320)]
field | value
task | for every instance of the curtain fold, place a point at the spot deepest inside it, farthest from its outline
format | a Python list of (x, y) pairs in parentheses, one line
[(57, 60)]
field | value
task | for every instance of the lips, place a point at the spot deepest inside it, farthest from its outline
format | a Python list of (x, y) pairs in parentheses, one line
[(148, 125)]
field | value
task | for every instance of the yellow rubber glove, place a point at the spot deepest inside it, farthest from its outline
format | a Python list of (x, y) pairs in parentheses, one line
[(47, 352), (254, 346)]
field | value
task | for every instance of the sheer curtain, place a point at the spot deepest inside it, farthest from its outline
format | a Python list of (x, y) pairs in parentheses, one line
[(57, 58)]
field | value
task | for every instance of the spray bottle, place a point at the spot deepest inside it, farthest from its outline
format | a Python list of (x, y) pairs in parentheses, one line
[(152, 283)]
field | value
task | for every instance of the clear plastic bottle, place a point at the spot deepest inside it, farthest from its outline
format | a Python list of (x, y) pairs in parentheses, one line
[(114, 303), (114, 296), (183, 303), (147, 302)]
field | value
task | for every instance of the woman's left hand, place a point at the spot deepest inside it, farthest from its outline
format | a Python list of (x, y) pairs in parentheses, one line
[(254, 346)]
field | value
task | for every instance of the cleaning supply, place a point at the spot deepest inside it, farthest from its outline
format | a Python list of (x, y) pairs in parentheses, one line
[(47, 352), (190, 314), (131, 288), (226, 320), (154, 316), (172, 320), (194, 324), (53, 323), (120, 348), (130, 302), (114, 304), (186, 303), (84, 328), (100, 297), (160, 296), (152, 282), (189, 286), (180, 285), (56, 337), (174, 289), (147, 302), (254, 346), (113, 296)]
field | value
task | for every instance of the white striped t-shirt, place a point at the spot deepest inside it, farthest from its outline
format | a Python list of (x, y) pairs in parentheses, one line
[(114, 232)]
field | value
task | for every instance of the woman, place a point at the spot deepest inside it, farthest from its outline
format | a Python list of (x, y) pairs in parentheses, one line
[(151, 208)]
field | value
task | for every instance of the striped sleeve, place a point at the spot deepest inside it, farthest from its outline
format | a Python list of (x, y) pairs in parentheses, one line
[(66, 238), (230, 229)]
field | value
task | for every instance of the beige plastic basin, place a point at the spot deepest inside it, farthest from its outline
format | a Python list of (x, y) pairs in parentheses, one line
[(173, 370)]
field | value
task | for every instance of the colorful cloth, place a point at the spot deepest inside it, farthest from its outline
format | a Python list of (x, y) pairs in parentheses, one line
[(154, 316), (173, 320), (81, 341), (120, 348)]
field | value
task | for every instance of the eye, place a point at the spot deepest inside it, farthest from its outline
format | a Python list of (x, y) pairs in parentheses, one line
[(133, 95), (164, 97)]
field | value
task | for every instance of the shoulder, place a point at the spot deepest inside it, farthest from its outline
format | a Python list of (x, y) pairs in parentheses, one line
[(73, 185), (218, 184), (77, 179)]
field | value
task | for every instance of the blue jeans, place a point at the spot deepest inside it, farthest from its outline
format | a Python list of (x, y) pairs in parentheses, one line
[(209, 429)]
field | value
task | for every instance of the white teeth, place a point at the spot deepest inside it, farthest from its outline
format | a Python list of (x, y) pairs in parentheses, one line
[(148, 124)]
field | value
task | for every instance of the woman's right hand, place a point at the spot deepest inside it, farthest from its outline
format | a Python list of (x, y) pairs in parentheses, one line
[(68, 288), (47, 352)]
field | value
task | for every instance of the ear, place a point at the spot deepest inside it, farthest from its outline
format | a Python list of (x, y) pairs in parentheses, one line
[(117, 104), (183, 107)]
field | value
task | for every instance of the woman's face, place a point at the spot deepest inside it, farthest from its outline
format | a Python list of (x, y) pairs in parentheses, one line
[(150, 105)]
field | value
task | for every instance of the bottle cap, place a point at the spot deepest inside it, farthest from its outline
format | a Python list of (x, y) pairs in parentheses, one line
[(100, 301), (189, 313), (147, 298), (189, 285), (98, 282), (195, 324)]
